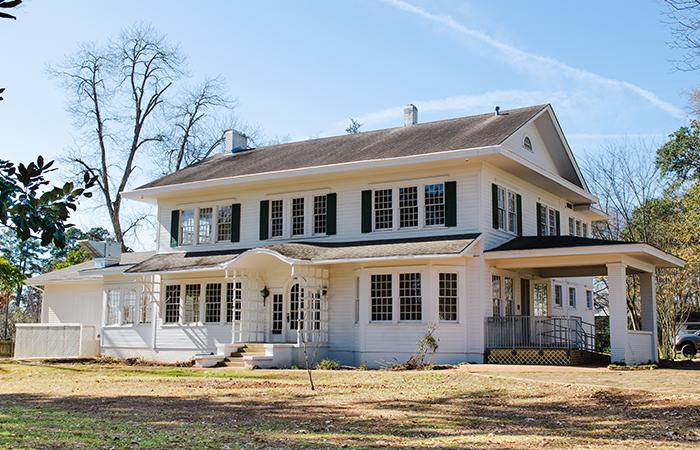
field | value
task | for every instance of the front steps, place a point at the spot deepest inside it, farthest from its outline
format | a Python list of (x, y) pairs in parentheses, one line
[(248, 356), (237, 358), (545, 356)]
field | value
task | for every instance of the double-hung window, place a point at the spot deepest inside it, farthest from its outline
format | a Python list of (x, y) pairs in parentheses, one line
[(589, 299), (447, 297), (408, 207), (434, 204), (410, 300), (113, 302), (276, 218), (507, 213), (172, 303), (234, 295), (558, 295), (298, 216), (509, 297), (383, 209), (548, 220), (572, 226), (191, 303), (381, 298), (187, 229), (496, 295), (320, 210), (585, 230), (223, 226), (212, 303), (121, 306), (146, 308), (577, 227), (572, 297), (205, 226)]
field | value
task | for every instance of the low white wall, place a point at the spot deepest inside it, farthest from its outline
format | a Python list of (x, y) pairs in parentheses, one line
[(56, 341), (640, 348)]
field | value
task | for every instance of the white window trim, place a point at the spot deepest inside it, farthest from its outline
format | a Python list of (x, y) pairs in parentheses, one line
[(137, 307), (554, 297), (395, 302), (504, 226), (286, 198), (547, 210), (202, 282), (396, 218), (213, 237)]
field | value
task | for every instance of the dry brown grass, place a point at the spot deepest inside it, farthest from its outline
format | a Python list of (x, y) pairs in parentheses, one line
[(65, 405)]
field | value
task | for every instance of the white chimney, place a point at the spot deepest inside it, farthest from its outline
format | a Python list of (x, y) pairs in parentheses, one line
[(104, 254), (235, 141), (410, 115)]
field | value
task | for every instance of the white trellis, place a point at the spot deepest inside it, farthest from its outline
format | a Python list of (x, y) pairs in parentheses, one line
[(314, 284), (251, 326)]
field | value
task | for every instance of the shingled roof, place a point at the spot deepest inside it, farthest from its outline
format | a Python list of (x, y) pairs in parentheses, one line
[(326, 252), (430, 137)]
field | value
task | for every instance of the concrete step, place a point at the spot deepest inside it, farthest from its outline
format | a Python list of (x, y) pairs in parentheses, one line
[(235, 362)]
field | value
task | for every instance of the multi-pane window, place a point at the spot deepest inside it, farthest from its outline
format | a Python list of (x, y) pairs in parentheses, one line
[(572, 297), (212, 302), (408, 207), (447, 297), (187, 227), (191, 303), (552, 231), (297, 216), (434, 204), (113, 302), (547, 225), (410, 301), (146, 308), (205, 225), (585, 230), (296, 308), (172, 303), (315, 310), (496, 295), (572, 227), (276, 218), (234, 295), (578, 228), (223, 224), (128, 306), (381, 297), (383, 209), (507, 210), (320, 209), (589, 299), (540, 299), (277, 313), (558, 295), (508, 292)]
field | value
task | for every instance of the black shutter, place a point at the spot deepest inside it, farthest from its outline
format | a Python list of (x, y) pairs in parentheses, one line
[(331, 200), (539, 219), (236, 222), (367, 211), (450, 203), (519, 211), (558, 227), (264, 218), (174, 227), (494, 206)]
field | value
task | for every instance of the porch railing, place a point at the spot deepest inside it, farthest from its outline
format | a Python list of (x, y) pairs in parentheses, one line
[(540, 332)]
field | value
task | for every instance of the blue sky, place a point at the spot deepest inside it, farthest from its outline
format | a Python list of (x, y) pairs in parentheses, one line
[(302, 68)]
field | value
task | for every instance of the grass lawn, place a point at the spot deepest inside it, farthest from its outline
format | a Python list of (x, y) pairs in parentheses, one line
[(87, 406)]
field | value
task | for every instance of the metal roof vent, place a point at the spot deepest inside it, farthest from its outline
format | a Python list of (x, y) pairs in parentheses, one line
[(235, 141)]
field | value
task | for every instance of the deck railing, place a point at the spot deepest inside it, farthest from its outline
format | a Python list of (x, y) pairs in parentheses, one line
[(539, 332)]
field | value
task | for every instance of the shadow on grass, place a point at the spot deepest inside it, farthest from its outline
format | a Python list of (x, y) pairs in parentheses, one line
[(313, 420)]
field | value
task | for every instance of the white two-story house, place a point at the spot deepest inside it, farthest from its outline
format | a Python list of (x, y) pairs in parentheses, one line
[(354, 246)]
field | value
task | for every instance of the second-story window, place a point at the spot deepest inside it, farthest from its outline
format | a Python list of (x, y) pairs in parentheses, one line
[(223, 227), (383, 210), (297, 216), (434, 204), (276, 218), (408, 207), (187, 227), (507, 213), (205, 225), (548, 221), (320, 211)]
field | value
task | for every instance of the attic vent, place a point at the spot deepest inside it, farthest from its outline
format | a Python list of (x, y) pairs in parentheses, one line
[(570, 206), (527, 144)]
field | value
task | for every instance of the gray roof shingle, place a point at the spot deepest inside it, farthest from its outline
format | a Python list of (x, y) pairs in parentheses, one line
[(430, 137), (87, 269)]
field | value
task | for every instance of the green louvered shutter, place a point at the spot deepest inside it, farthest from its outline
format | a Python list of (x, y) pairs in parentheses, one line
[(367, 211), (174, 227), (236, 222), (539, 219), (558, 227), (264, 218), (494, 206), (451, 204), (519, 211), (331, 200)]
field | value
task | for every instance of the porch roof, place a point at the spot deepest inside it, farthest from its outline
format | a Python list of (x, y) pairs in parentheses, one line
[(314, 253), (577, 256)]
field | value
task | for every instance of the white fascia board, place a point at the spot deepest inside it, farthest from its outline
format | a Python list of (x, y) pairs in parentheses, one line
[(148, 194)]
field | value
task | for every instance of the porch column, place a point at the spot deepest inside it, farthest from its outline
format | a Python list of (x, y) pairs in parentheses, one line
[(617, 310), (647, 290)]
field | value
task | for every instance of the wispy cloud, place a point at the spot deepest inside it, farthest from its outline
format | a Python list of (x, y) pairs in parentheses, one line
[(533, 62)]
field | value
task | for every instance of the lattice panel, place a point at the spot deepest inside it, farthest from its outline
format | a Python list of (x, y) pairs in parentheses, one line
[(529, 356)]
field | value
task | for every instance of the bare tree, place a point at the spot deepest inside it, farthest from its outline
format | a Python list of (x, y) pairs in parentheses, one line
[(121, 97), (624, 177), (684, 19)]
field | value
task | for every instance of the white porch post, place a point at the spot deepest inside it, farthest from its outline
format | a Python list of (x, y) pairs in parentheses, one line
[(647, 290), (617, 310)]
